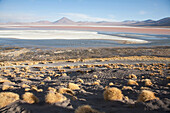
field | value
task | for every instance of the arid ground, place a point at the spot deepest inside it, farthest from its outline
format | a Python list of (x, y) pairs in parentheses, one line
[(81, 76)]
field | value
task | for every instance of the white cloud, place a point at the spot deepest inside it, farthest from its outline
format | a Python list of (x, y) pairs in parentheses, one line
[(142, 12), (83, 17)]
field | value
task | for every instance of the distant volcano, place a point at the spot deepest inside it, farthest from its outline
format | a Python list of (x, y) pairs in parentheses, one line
[(64, 20)]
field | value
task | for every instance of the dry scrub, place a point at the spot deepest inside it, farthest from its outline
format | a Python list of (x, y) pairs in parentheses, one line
[(132, 76), (146, 95), (80, 80), (113, 94), (66, 91), (148, 82), (95, 83), (6, 87), (132, 82), (127, 88), (86, 109), (73, 86), (52, 97), (7, 98), (30, 98)]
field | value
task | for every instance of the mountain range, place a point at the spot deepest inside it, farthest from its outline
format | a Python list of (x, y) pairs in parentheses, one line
[(161, 22), (66, 21)]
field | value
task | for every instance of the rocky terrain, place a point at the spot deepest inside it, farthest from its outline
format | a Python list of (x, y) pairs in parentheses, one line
[(37, 54)]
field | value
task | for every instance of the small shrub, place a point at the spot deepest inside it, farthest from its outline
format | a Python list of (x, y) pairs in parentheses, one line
[(64, 74), (126, 98), (66, 91), (113, 94), (111, 84), (5, 87), (73, 86), (27, 89), (51, 89), (52, 97), (48, 79), (34, 87), (146, 95), (168, 77), (132, 76), (40, 75), (96, 83), (30, 98), (132, 82), (80, 80), (57, 75), (30, 76), (95, 76), (42, 83), (25, 86), (23, 80), (7, 98), (86, 109), (4, 80), (148, 82), (144, 88), (74, 98), (126, 88), (39, 90)]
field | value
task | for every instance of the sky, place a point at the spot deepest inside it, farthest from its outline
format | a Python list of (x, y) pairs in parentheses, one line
[(83, 10)]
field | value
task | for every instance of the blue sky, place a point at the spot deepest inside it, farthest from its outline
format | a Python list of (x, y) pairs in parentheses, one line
[(83, 10)]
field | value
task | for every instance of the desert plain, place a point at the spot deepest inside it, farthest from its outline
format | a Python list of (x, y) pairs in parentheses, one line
[(85, 80)]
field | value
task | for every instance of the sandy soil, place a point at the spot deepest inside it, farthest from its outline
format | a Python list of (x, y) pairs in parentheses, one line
[(96, 70)]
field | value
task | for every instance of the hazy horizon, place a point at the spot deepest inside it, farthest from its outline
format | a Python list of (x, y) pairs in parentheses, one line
[(83, 10)]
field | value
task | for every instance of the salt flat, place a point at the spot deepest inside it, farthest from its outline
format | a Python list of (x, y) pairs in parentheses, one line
[(62, 34)]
